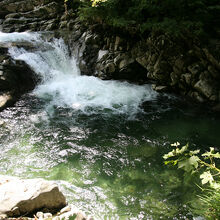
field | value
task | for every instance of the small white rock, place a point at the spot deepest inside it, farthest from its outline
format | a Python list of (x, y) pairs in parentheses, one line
[(40, 214), (65, 209), (48, 215), (80, 216), (74, 209), (64, 216), (3, 216)]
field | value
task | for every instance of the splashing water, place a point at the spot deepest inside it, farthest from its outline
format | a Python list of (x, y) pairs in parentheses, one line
[(62, 85), (108, 166), (19, 37)]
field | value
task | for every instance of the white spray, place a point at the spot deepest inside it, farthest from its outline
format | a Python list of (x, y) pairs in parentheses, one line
[(63, 85)]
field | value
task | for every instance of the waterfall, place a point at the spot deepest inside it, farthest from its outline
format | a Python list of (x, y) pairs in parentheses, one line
[(61, 83)]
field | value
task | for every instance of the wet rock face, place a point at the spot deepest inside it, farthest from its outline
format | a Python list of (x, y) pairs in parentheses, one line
[(15, 75), (107, 60), (16, 78), (173, 64)]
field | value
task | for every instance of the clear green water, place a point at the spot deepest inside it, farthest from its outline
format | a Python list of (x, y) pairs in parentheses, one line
[(109, 165)]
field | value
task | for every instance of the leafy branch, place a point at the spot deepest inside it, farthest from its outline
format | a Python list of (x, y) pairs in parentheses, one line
[(191, 162)]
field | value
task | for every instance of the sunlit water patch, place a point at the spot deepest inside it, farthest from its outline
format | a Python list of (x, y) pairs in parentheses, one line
[(107, 165), (102, 141)]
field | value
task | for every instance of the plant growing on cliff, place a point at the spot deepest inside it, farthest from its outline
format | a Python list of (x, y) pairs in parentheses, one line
[(204, 164)]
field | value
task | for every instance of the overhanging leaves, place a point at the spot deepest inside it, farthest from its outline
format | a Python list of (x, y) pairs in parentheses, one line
[(206, 177), (189, 164)]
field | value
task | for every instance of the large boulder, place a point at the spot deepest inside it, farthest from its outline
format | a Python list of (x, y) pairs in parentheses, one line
[(19, 196), (16, 78), (207, 89)]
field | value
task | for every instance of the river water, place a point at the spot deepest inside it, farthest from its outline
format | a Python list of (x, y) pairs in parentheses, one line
[(101, 141)]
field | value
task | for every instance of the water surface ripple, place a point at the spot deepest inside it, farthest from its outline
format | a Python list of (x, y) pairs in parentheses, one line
[(102, 141)]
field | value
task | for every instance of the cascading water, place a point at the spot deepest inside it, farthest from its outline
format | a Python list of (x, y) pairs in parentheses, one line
[(102, 141), (63, 85)]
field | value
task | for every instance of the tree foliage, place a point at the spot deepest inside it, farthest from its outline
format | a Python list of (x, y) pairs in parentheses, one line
[(174, 16), (204, 164)]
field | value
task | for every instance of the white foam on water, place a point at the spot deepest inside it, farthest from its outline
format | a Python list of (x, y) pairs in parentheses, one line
[(63, 85), (18, 37)]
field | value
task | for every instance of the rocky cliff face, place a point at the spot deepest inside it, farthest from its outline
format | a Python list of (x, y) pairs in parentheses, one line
[(36, 15), (181, 65)]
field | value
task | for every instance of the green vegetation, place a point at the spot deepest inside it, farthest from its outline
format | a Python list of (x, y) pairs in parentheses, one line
[(192, 162), (200, 17)]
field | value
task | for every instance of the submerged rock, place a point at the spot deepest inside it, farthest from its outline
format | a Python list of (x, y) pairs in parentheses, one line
[(22, 197)]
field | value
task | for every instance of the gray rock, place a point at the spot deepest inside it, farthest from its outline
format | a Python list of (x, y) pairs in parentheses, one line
[(205, 76), (195, 69), (213, 72), (80, 216), (159, 88), (119, 58), (91, 39), (102, 54), (19, 196), (63, 24), (161, 70), (125, 62), (174, 78), (110, 68), (216, 108), (187, 78), (205, 88), (179, 64), (13, 15), (2, 123), (65, 209), (143, 61), (211, 59), (40, 214), (51, 27), (47, 215), (70, 25), (5, 100), (117, 41), (197, 96)]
